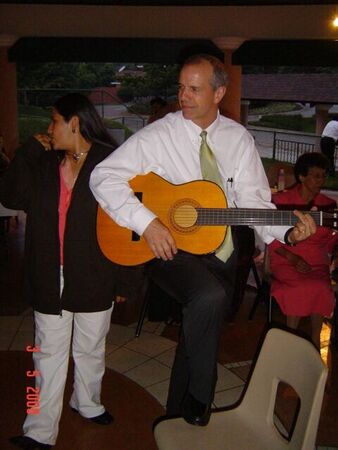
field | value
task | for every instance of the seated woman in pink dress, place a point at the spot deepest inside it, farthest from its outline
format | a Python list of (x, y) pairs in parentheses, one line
[(301, 281)]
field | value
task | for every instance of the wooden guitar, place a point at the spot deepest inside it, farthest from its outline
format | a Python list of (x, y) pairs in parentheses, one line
[(195, 213)]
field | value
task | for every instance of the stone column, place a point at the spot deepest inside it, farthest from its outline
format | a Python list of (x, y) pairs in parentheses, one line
[(8, 96), (322, 116), (231, 104)]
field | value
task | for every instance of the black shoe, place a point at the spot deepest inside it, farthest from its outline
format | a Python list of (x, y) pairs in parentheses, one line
[(195, 412), (28, 443), (103, 419)]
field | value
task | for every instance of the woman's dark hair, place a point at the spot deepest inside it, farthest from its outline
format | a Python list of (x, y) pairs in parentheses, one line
[(91, 125), (308, 160)]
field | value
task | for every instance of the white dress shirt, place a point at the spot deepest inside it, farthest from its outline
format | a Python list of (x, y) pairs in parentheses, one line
[(170, 148), (331, 130)]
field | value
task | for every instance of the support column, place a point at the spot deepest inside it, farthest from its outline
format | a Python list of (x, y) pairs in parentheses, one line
[(8, 95), (322, 116), (231, 104)]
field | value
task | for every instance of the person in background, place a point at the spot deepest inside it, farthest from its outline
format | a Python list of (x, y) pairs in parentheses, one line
[(301, 281), (159, 108), (172, 147), (70, 284), (328, 143)]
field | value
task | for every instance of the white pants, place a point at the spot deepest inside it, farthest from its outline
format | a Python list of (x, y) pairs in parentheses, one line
[(53, 335)]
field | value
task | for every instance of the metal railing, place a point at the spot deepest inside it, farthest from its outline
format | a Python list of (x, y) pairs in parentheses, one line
[(289, 151), (283, 145)]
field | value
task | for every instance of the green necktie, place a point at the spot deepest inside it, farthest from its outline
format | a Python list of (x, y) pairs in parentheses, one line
[(210, 172)]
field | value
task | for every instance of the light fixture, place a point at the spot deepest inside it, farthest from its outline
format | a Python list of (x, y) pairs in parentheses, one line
[(335, 21)]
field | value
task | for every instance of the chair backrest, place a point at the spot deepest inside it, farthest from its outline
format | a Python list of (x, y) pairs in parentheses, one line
[(286, 357)]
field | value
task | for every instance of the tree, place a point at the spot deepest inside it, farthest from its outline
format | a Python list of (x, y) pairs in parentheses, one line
[(65, 75), (156, 80)]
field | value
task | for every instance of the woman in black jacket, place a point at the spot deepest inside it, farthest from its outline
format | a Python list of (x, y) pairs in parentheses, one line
[(69, 282)]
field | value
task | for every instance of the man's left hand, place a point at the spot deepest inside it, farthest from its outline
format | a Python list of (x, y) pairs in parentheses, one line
[(304, 228)]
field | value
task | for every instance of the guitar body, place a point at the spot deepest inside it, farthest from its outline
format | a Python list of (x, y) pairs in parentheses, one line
[(175, 206)]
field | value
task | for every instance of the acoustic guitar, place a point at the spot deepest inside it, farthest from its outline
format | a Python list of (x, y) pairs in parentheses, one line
[(196, 214)]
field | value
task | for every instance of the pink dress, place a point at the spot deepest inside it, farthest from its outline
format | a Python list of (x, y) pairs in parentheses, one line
[(303, 294)]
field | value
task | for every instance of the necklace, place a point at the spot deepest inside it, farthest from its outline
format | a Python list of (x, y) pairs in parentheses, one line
[(77, 156)]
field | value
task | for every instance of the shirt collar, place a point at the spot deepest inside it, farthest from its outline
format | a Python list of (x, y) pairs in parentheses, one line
[(194, 130)]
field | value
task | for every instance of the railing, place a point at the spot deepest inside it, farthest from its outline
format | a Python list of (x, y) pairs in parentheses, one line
[(289, 151), (285, 145)]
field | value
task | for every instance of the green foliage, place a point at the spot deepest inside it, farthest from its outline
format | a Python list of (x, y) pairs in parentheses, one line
[(65, 75), (158, 80), (140, 108), (288, 69), (271, 108), (31, 110), (114, 124), (31, 125), (126, 93), (292, 122)]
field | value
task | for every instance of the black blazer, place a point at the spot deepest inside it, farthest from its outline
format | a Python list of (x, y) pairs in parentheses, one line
[(32, 183)]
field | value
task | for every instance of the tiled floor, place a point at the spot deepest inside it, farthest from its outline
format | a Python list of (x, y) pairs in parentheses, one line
[(147, 360)]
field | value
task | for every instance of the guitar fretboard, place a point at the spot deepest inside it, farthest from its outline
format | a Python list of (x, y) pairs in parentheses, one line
[(247, 216)]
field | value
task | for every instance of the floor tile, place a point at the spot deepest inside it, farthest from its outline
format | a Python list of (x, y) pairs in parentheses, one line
[(149, 373), (242, 372), (167, 357), (151, 327), (123, 360), (160, 391), (119, 335), (227, 397), (226, 379), (110, 347), (150, 344)]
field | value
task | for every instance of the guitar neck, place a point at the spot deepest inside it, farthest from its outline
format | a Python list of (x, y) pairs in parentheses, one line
[(247, 216)]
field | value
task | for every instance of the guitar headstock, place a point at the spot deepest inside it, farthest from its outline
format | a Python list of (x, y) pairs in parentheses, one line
[(330, 219)]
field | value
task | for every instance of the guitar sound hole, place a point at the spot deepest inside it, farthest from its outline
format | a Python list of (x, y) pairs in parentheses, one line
[(183, 215)]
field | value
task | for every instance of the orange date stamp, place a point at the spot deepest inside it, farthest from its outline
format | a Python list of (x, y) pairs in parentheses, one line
[(32, 393)]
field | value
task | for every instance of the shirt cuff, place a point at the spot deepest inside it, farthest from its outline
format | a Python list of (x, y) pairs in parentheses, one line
[(142, 219)]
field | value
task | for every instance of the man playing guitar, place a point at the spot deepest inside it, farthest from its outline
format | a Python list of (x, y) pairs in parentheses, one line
[(170, 147)]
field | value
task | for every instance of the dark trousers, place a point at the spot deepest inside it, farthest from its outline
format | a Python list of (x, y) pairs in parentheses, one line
[(327, 146), (204, 287)]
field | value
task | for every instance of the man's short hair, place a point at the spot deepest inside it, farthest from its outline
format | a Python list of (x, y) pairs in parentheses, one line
[(220, 76)]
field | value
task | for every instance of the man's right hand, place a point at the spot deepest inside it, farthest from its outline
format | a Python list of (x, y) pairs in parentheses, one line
[(160, 240)]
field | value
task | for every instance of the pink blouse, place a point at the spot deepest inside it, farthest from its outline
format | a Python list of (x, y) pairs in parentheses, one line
[(64, 202)]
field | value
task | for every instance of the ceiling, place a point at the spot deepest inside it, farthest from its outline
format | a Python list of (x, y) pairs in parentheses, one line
[(173, 2), (272, 32)]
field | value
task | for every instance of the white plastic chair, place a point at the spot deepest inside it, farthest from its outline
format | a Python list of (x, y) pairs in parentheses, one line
[(284, 357)]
